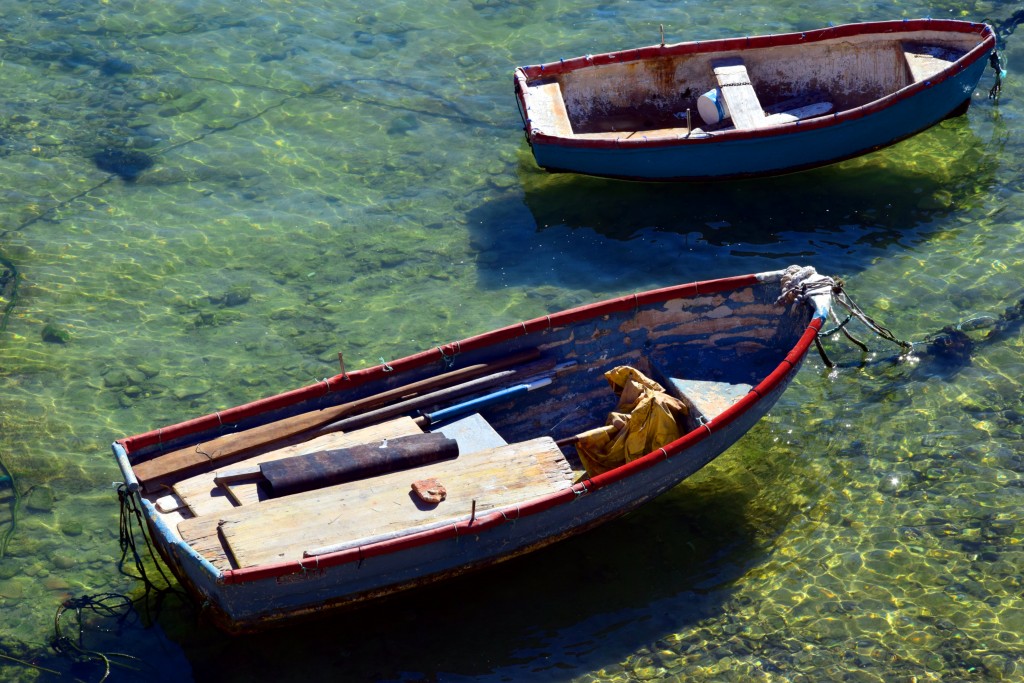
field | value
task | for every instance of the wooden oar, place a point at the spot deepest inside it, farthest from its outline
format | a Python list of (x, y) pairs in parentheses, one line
[(434, 398), (298, 428)]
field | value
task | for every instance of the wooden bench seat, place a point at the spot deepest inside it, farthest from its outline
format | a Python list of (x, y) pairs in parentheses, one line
[(706, 400), (925, 61), (738, 92), (285, 528), (472, 432), (547, 109)]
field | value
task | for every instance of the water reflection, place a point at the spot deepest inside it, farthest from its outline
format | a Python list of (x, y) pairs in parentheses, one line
[(579, 606), (887, 196), (601, 235)]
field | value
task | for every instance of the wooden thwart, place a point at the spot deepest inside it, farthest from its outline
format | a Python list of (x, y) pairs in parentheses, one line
[(706, 400), (927, 61), (284, 528), (549, 115), (738, 93)]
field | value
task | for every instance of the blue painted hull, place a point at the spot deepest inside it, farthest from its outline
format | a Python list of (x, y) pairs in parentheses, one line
[(785, 152), (666, 154)]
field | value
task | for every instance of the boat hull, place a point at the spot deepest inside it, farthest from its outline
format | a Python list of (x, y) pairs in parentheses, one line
[(808, 146), (720, 325), (265, 601), (675, 155)]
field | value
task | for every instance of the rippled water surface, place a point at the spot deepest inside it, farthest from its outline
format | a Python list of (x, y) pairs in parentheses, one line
[(205, 202)]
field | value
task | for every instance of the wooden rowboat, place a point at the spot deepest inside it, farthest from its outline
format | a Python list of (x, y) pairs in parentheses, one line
[(750, 106), (525, 409)]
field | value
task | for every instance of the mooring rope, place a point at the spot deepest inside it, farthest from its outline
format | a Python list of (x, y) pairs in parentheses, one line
[(801, 283), (843, 299), (1003, 29), (111, 605), (131, 522), (6, 474), (116, 605), (995, 61)]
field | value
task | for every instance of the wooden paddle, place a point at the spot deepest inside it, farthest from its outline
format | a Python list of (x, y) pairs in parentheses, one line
[(232, 447), (434, 398)]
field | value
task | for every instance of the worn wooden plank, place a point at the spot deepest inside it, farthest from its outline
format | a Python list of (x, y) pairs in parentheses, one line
[(203, 497), (472, 432), (547, 111), (738, 93), (927, 61), (282, 529), (799, 113), (168, 503), (706, 399)]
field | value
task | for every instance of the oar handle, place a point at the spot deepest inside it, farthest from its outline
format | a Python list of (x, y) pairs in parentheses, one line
[(475, 404)]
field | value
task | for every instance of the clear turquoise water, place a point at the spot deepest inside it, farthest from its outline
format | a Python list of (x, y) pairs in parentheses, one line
[(352, 177)]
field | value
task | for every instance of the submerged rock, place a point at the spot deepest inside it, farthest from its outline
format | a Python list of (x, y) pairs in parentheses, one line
[(55, 334), (40, 499), (127, 164)]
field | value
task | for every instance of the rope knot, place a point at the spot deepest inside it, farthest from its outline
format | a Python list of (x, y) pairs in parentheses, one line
[(799, 283)]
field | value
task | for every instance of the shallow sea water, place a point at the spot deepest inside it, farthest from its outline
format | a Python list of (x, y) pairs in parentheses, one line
[(346, 177)]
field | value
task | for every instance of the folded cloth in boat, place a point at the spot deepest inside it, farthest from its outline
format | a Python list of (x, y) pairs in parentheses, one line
[(646, 418)]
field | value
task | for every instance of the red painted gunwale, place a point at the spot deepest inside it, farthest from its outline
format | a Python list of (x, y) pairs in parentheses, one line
[(524, 74)]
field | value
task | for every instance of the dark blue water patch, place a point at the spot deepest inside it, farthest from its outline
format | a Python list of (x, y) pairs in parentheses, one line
[(115, 67), (128, 164)]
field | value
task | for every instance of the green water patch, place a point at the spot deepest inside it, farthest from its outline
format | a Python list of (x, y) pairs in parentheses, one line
[(330, 178)]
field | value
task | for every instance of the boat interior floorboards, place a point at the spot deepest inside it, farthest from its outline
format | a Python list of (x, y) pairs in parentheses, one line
[(247, 528)]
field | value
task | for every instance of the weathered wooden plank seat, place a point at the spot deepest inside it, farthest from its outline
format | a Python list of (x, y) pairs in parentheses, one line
[(549, 115), (705, 400), (284, 528), (738, 92), (473, 433), (925, 61)]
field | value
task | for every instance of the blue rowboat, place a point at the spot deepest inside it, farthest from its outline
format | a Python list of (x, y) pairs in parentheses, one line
[(686, 370), (752, 106)]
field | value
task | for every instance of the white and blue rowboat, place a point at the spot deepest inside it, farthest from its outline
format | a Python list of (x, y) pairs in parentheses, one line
[(751, 106), (495, 420)]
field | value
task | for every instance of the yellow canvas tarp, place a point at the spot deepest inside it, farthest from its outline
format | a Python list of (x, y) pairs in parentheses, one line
[(645, 419)]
